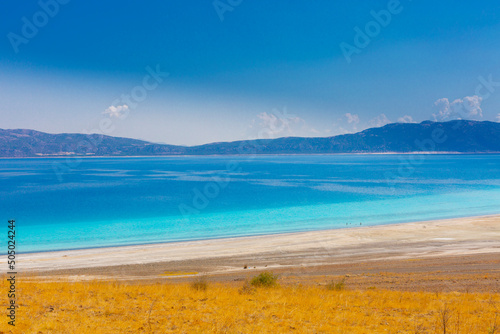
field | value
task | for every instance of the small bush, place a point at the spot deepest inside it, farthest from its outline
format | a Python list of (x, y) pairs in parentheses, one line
[(246, 289), (336, 286), (200, 284), (494, 327), (444, 317), (265, 279)]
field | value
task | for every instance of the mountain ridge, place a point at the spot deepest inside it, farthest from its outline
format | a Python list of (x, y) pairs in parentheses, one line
[(461, 136)]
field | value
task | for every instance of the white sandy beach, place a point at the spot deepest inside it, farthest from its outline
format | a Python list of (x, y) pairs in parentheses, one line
[(449, 237)]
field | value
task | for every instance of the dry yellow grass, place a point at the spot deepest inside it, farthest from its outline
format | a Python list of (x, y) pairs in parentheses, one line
[(111, 307)]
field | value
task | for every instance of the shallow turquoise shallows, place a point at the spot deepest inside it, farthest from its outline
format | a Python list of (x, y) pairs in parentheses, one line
[(95, 202)]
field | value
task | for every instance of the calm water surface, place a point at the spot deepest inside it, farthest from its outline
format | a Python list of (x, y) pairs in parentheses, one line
[(122, 201)]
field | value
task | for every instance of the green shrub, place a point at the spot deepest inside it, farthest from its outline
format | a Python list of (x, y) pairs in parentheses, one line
[(265, 279)]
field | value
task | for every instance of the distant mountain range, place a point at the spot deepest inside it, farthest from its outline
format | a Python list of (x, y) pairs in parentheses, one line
[(462, 136)]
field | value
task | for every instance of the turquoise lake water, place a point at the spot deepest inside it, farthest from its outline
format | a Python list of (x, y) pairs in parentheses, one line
[(63, 203)]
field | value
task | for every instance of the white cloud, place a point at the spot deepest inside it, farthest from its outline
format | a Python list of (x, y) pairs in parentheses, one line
[(339, 130), (406, 119), (346, 124), (352, 118), (313, 130), (469, 106), (443, 106), (117, 111), (498, 118), (379, 121), (473, 105), (279, 123)]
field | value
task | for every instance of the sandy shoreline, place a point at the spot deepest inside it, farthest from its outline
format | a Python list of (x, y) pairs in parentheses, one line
[(440, 238)]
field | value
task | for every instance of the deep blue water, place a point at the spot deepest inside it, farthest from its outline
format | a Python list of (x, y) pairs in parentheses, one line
[(94, 202)]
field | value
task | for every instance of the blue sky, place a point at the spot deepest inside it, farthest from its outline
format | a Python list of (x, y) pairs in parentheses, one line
[(240, 69)]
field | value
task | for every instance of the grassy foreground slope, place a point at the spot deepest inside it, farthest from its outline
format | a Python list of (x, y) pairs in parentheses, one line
[(111, 307)]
